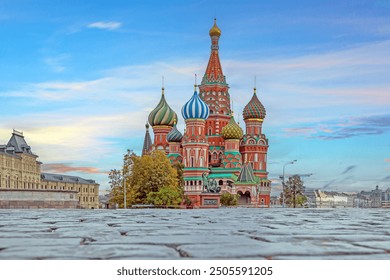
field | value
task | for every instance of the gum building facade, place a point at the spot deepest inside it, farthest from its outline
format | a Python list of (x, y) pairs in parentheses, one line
[(23, 185)]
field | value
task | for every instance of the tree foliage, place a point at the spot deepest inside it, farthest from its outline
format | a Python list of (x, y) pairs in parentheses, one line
[(293, 192), (167, 196), (151, 175), (116, 192), (228, 199)]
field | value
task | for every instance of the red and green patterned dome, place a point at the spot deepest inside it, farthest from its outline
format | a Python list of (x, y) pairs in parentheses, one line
[(232, 130), (254, 109), (162, 114)]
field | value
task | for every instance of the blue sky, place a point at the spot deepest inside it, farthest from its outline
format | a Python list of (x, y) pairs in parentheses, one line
[(79, 78)]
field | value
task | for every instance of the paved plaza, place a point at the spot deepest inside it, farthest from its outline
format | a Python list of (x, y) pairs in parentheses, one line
[(232, 233)]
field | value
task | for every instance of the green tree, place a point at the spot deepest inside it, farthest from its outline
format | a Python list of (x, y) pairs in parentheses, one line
[(228, 199), (179, 169), (166, 196), (145, 175), (116, 184), (149, 174), (293, 192)]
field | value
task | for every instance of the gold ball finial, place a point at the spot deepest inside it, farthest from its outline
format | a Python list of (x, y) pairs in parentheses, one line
[(215, 31)]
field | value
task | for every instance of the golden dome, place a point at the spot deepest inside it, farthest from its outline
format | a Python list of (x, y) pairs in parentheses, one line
[(215, 31), (232, 130)]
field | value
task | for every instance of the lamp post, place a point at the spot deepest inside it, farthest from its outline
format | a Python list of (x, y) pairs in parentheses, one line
[(284, 167), (124, 191)]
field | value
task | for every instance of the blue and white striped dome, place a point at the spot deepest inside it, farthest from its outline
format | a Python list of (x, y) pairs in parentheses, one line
[(195, 108)]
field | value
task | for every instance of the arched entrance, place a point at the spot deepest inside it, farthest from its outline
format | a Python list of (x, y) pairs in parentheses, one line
[(245, 198)]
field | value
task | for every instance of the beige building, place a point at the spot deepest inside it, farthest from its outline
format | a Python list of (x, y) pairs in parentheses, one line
[(21, 171)]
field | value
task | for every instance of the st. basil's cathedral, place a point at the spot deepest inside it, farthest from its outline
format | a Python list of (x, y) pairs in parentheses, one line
[(213, 144)]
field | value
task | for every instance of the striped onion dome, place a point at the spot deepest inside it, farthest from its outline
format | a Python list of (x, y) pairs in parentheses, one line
[(162, 114), (254, 109), (232, 130), (195, 108), (174, 135)]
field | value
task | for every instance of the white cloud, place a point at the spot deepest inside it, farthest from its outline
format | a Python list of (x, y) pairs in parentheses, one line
[(109, 25), (56, 63)]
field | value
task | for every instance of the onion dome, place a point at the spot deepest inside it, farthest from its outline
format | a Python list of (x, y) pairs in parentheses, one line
[(254, 109), (162, 114), (232, 130), (195, 108), (174, 135), (215, 31)]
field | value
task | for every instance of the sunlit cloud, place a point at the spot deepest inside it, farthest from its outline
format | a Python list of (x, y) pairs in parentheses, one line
[(109, 25), (58, 137), (65, 168)]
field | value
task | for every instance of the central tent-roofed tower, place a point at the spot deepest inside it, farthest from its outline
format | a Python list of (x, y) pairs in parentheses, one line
[(214, 91)]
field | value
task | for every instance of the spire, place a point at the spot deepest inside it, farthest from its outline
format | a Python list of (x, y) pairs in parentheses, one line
[(214, 72), (254, 88), (162, 88), (147, 141)]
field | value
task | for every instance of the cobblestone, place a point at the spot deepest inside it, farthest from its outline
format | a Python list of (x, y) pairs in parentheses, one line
[(225, 233)]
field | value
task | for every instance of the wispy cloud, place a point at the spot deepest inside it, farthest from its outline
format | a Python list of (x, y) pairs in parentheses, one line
[(108, 25), (329, 183), (387, 159), (65, 168), (386, 179), (349, 169), (56, 63), (348, 128)]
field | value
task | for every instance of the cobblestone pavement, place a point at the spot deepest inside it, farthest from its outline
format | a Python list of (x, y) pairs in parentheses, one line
[(232, 233)]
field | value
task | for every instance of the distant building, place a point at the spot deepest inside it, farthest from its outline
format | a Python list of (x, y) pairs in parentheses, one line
[(365, 199), (22, 185), (376, 198), (329, 199), (386, 198)]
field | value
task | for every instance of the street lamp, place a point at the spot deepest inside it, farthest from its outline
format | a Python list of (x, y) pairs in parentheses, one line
[(284, 167), (124, 191)]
